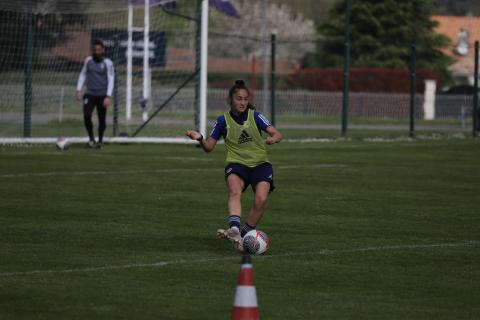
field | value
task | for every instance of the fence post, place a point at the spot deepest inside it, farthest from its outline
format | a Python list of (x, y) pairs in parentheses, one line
[(346, 69), (475, 93), (60, 109), (28, 90), (116, 62), (413, 86), (273, 82)]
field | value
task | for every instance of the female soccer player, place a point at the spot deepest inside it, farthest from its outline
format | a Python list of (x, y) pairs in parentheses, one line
[(247, 162)]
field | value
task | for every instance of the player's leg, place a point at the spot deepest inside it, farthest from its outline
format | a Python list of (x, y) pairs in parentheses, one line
[(235, 176), (102, 120), (88, 106), (235, 186), (262, 183), (259, 205)]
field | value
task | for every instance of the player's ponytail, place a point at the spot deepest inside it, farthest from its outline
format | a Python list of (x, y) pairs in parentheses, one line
[(239, 85)]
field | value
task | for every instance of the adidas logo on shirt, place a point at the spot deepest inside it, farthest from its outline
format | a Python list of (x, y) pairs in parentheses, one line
[(244, 137)]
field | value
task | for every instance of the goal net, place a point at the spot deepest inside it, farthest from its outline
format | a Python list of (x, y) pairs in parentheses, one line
[(44, 45)]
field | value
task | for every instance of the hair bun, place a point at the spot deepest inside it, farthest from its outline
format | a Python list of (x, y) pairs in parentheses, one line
[(240, 83)]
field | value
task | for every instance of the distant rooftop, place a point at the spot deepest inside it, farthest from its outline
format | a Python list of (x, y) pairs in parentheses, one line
[(451, 26)]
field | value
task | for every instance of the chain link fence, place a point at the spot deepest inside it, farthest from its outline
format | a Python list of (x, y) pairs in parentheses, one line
[(308, 99)]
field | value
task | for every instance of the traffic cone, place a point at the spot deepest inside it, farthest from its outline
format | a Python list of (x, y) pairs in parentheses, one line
[(245, 305)]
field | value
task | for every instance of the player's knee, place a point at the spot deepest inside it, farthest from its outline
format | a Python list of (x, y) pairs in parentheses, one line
[(87, 116), (234, 193), (260, 201)]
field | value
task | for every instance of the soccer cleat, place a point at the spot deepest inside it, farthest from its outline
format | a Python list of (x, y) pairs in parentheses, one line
[(221, 233), (89, 144), (231, 234), (99, 145), (238, 246)]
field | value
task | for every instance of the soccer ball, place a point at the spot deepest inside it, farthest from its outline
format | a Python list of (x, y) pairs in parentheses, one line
[(255, 242), (62, 143)]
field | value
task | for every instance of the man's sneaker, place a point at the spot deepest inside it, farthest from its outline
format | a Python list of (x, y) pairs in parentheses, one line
[(231, 234), (99, 145), (89, 144)]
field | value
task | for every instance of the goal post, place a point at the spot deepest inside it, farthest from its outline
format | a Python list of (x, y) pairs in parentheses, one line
[(203, 68), (157, 51)]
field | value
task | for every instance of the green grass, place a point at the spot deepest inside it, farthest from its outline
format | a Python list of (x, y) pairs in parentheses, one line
[(343, 196), (309, 119), (178, 122)]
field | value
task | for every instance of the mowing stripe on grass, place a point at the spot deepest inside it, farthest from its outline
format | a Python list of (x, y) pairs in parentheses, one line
[(323, 252), (172, 170), (86, 173), (188, 158)]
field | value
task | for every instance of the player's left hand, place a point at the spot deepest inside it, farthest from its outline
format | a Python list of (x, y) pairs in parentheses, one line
[(107, 102), (194, 135), (270, 140)]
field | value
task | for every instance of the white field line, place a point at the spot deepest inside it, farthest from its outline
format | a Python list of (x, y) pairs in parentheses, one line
[(320, 140), (319, 165), (323, 252), (172, 170), (184, 140), (122, 140)]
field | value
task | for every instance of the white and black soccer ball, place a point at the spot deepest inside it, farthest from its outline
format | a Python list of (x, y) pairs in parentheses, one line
[(62, 143), (255, 242)]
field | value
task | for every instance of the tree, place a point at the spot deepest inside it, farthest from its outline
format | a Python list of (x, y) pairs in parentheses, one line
[(310, 9), (457, 7), (280, 18), (381, 35), (49, 24)]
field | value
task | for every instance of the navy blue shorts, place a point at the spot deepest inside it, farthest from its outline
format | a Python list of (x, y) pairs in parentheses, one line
[(252, 176)]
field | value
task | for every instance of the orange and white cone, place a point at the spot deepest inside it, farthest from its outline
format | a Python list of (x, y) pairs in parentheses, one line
[(245, 305)]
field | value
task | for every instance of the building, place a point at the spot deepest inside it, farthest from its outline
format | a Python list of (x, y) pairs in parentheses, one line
[(463, 32)]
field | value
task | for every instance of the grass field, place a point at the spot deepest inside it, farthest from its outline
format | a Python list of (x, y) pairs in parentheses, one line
[(359, 230)]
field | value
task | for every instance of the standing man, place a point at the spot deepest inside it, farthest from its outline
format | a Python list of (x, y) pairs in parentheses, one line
[(98, 72)]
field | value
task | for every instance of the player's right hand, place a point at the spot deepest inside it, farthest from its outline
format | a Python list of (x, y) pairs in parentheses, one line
[(78, 95), (194, 135)]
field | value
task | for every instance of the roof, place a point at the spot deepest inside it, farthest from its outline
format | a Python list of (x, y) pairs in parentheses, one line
[(450, 26), (178, 59)]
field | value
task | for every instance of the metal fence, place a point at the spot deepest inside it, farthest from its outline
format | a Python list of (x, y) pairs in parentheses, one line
[(54, 104)]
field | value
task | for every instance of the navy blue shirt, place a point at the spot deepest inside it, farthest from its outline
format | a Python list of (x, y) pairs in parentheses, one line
[(220, 126)]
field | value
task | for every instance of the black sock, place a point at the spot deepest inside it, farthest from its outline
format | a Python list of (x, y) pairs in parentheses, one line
[(246, 228)]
